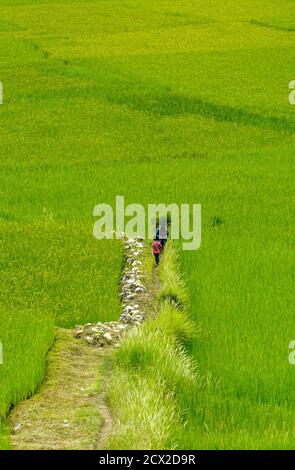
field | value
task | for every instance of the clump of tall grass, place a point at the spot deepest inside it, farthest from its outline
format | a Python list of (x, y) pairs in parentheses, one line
[(149, 350), (172, 286), (175, 324), (145, 414)]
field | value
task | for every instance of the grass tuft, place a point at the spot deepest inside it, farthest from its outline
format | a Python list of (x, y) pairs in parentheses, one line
[(172, 286)]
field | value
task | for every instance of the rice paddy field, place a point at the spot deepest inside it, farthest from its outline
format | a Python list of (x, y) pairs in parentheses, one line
[(185, 102)]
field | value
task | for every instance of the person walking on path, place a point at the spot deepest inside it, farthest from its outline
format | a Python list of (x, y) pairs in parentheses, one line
[(162, 234), (156, 250)]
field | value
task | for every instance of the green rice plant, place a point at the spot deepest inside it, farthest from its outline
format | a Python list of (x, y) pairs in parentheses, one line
[(26, 337), (172, 286)]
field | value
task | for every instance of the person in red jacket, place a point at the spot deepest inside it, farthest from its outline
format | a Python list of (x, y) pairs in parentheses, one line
[(156, 250)]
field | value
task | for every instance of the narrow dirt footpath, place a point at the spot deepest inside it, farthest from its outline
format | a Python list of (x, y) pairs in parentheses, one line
[(156, 278), (105, 413), (65, 413)]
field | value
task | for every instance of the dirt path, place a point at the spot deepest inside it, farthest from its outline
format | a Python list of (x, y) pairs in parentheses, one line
[(69, 410), (105, 413), (156, 278)]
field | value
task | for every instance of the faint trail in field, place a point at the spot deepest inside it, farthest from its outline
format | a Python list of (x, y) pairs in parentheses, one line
[(156, 277), (65, 413), (105, 413), (262, 24), (181, 105)]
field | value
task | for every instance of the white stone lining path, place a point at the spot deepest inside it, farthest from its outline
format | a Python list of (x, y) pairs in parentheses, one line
[(132, 290)]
